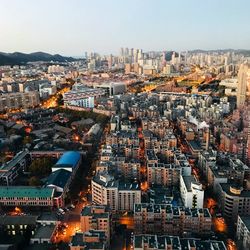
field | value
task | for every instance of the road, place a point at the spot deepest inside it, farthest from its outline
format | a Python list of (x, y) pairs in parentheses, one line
[(71, 220)]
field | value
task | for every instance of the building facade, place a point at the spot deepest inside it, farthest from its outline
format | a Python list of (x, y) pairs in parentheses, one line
[(192, 193), (166, 242), (234, 201), (96, 218), (166, 219), (120, 196), (19, 100), (243, 232)]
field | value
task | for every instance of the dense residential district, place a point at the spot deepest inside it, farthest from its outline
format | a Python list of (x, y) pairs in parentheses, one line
[(143, 151)]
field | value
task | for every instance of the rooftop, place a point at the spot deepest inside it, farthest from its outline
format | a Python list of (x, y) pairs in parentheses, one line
[(10, 164), (227, 188), (44, 232), (164, 241), (246, 220), (26, 191), (188, 180), (18, 220), (58, 178), (195, 145), (69, 158)]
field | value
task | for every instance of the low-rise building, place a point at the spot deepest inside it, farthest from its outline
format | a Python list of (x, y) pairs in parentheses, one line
[(82, 96), (43, 234), (96, 217), (91, 240), (17, 225), (10, 170), (69, 161), (27, 196)]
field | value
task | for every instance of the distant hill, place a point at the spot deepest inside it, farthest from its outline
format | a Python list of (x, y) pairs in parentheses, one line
[(244, 52), (18, 58)]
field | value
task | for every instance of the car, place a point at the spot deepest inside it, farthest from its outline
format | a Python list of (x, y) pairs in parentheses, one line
[(61, 211)]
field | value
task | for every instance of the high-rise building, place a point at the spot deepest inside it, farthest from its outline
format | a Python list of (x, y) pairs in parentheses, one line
[(173, 59), (243, 232), (243, 76), (110, 61), (126, 51), (122, 52), (192, 193), (234, 201), (117, 194)]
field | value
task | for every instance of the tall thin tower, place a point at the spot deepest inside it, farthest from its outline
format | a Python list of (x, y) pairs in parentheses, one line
[(242, 84)]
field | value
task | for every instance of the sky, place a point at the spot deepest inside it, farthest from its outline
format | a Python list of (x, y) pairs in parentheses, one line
[(71, 27)]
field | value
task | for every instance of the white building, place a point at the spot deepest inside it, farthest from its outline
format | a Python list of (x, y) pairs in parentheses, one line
[(192, 193), (46, 90), (118, 195), (55, 69), (243, 232), (82, 96), (112, 88), (243, 82)]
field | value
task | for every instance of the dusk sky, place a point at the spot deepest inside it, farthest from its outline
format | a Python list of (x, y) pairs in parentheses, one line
[(74, 26)]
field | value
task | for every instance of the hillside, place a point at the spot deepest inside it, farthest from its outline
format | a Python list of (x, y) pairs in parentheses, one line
[(18, 58)]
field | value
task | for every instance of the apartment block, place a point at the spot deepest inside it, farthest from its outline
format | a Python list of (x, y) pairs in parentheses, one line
[(234, 201), (117, 194), (19, 100), (166, 219), (96, 218), (166, 242), (192, 193), (243, 232)]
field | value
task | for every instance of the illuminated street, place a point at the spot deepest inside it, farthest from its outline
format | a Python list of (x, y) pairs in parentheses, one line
[(72, 221), (52, 101), (128, 221)]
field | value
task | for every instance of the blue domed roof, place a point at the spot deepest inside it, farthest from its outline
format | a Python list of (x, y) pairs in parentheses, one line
[(69, 158)]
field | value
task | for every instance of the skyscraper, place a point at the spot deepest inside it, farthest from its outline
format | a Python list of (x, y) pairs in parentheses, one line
[(243, 76), (173, 58), (122, 52)]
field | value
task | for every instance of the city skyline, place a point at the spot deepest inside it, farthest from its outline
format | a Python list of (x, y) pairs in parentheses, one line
[(125, 124), (107, 26)]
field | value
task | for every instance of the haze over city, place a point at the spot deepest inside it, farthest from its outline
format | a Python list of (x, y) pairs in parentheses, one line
[(72, 27)]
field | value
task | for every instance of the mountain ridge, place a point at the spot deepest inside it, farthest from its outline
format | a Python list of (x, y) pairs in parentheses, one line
[(19, 58)]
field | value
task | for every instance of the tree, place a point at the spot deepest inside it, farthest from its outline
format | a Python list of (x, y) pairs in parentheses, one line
[(34, 181), (241, 124), (27, 140), (60, 100), (41, 167), (217, 137)]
